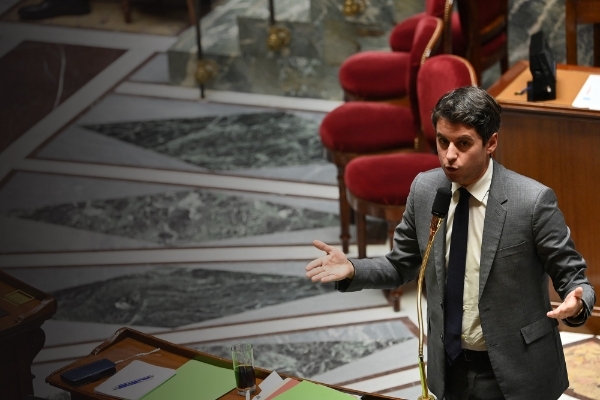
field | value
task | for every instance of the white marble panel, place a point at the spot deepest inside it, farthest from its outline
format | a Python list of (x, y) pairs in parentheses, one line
[(156, 70), (19, 235), (52, 279), (131, 107), (228, 97), (79, 144), (325, 303), (32, 190), (398, 356)]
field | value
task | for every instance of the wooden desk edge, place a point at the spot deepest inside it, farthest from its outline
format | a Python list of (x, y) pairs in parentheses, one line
[(44, 310), (54, 378), (540, 107)]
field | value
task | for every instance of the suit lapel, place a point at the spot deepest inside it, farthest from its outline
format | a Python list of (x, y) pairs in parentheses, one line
[(495, 216)]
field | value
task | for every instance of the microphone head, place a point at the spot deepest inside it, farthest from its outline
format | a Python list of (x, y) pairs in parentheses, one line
[(441, 204)]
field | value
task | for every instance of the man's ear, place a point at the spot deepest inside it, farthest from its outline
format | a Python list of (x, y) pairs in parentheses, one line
[(492, 143)]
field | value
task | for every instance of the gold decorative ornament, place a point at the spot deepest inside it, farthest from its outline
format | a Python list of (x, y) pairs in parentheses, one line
[(206, 70), (353, 7), (279, 37)]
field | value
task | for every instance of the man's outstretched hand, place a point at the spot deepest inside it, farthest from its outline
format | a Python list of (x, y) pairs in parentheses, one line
[(333, 266), (570, 306)]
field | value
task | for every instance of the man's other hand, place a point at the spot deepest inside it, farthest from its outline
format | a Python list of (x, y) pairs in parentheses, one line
[(570, 306), (333, 266)]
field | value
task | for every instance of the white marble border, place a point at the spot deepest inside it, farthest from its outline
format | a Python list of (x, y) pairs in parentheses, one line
[(217, 96), (181, 178)]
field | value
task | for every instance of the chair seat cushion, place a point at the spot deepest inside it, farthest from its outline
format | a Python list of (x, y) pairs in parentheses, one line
[(367, 127), (375, 74), (386, 179)]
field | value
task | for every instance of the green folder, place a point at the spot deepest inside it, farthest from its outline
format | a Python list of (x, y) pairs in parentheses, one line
[(195, 380), (308, 390)]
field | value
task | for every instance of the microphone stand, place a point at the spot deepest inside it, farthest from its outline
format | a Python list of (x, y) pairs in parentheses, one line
[(436, 222)]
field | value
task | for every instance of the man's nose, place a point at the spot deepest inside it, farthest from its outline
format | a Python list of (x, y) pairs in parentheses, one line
[(451, 153)]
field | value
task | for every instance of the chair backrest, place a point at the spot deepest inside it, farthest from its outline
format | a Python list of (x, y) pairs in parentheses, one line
[(402, 35), (485, 29), (581, 12), (438, 75), (427, 36)]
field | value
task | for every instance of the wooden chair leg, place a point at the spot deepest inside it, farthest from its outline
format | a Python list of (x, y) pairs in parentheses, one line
[(345, 211), (126, 6), (361, 234), (504, 64), (393, 295), (192, 12)]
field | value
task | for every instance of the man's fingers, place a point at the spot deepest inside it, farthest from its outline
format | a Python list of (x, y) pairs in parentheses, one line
[(314, 263), (322, 246)]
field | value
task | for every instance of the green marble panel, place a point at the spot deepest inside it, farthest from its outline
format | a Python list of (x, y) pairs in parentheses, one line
[(173, 296)]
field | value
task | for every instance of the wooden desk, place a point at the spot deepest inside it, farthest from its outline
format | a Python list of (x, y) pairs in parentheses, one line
[(21, 337), (557, 144), (127, 342)]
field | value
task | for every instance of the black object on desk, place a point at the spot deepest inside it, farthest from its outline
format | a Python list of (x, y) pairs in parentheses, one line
[(3, 313), (543, 70), (89, 372)]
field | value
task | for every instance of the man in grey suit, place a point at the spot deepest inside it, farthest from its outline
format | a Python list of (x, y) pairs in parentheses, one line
[(509, 345)]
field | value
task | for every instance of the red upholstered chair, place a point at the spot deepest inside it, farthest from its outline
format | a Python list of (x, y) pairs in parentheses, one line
[(378, 185), (360, 127), (484, 27), (382, 75)]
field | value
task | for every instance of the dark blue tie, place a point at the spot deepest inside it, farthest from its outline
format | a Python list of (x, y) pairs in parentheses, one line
[(455, 281)]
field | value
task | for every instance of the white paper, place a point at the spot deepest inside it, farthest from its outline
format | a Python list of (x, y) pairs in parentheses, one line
[(137, 369), (264, 393), (271, 381), (589, 95)]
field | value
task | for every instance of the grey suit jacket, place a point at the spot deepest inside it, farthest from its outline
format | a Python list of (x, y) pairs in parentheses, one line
[(525, 240)]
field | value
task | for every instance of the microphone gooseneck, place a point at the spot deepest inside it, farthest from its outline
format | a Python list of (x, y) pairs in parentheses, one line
[(441, 205)]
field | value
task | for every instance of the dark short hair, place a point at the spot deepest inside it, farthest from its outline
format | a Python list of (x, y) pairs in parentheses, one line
[(470, 106)]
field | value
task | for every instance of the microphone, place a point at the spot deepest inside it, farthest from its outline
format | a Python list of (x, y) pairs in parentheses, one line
[(439, 210), (441, 204)]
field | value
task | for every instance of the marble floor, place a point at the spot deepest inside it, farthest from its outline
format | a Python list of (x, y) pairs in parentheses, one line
[(136, 203)]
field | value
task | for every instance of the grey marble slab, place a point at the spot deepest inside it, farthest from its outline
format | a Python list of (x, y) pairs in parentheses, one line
[(289, 10), (226, 142), (171, 297), (305, 359), (333, 37), (179, 218), (314, 353)]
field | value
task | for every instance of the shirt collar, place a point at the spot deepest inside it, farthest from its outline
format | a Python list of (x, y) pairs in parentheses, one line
[(480, 188)]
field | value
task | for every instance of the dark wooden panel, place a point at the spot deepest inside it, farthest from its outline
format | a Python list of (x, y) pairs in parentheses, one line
[(556, 144)]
